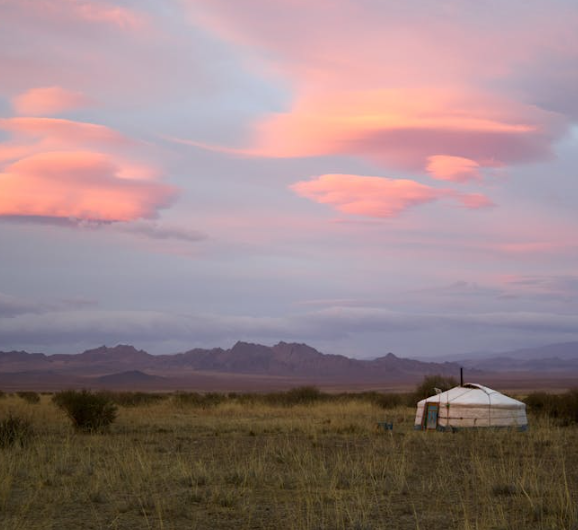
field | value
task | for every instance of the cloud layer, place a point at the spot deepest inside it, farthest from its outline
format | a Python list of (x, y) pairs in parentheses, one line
[(407, 88), (80, 185), (155, 330), (453, 168), (59, 168), (410, 90), (378, 196), (334, 151), (60, 12), (46, 101)]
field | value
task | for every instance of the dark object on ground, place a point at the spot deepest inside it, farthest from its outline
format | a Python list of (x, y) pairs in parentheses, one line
[(14, 430), (30, 397), (88, 411)]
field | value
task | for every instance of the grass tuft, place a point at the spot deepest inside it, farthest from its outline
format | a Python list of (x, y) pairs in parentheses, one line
[(32, 398), (15, 430)]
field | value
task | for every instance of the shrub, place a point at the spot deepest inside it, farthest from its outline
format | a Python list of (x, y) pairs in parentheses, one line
[(541, 403), (14, 430), (426, 388), (248, 398), (30, 397), (302, 395), (561, 407), (88, 411), (134, 399), (389, 400), (194, 399), (306, 395)]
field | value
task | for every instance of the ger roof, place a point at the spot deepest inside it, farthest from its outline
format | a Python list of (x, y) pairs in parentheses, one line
[(473, 394)]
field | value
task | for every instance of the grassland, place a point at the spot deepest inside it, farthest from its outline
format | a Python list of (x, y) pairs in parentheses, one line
[(170, 465)]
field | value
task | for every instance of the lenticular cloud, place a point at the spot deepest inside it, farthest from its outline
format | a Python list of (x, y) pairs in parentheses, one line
[(453, 168), (46, 101), (410, 90), (378, 196), (59, 168), (80, 185)]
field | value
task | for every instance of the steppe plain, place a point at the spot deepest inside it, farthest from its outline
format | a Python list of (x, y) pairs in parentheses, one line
[(250, 465)]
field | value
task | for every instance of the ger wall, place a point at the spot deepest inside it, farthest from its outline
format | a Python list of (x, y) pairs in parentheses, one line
[(464, 416)]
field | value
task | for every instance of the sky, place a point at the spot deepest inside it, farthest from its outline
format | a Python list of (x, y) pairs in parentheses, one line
[(365, 176)]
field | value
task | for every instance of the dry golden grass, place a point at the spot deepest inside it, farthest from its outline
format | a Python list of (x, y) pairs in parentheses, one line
[(323, 466)]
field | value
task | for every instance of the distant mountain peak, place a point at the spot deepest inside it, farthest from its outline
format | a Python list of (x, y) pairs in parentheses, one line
[(245, 346), (119, 348), (294, 344)]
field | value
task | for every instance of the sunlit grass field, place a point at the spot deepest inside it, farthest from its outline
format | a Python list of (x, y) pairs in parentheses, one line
[(170, 465)]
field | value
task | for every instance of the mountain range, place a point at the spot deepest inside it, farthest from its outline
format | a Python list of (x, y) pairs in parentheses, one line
[(245, 364), (248, 366)]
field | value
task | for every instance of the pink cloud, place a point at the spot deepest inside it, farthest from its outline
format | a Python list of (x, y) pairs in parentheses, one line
[(80, 185), (13, 152), (453, 168), (474, 201), (38, 135), (60, 131), (104, 13), (124, 53), (404, 129), (376, 196), (66, 169), (537, 247), (389, 44), (394, 85), (87, 11), (47, 101)]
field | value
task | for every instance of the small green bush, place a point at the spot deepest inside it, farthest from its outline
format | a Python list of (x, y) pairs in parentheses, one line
[(30, 397), (14, 430), (88, 411)]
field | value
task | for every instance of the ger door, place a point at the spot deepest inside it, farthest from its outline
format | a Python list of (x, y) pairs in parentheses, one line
[(431, 416)]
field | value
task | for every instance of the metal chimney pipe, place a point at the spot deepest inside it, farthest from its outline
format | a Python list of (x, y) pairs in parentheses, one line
[(461, 376)]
